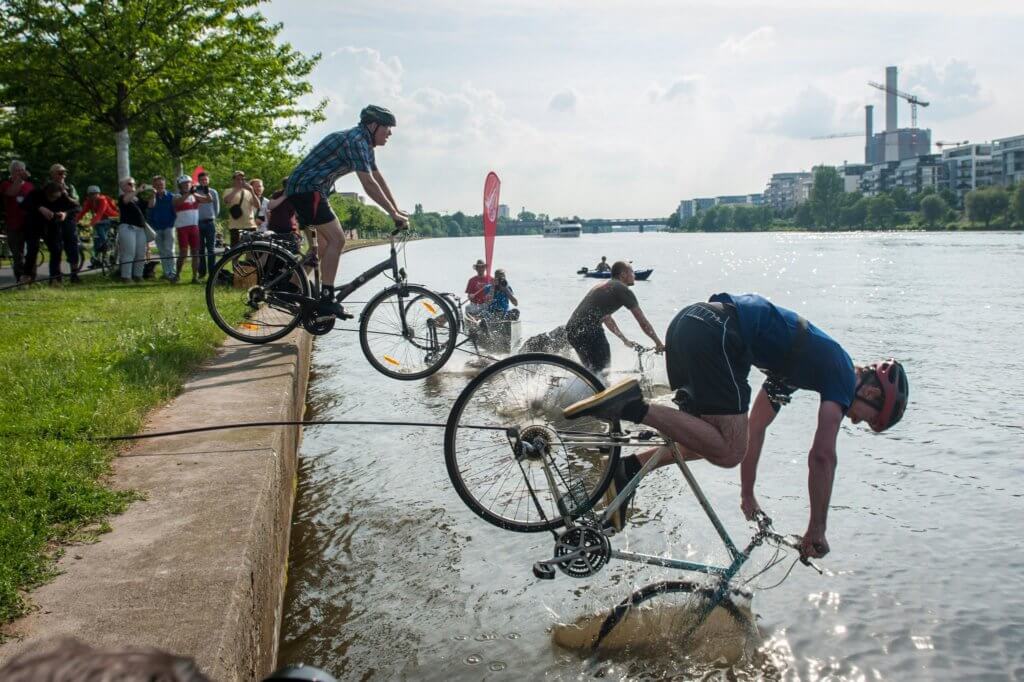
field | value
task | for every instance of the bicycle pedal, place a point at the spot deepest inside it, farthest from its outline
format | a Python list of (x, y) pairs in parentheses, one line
[(543, 571)]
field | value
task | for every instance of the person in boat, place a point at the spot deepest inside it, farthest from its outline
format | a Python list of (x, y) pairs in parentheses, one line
[(584, 328), (476, 289), (711, 348), (603, 266), (500, 297)]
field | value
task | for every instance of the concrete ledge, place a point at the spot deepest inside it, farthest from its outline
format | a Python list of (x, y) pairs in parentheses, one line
[(199, 566)]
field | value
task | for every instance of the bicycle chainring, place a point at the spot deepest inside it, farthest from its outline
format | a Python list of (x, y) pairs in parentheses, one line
[(596, 550), (318, 327)]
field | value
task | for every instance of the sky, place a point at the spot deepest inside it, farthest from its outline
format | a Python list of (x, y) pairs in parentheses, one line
[(622, 109)]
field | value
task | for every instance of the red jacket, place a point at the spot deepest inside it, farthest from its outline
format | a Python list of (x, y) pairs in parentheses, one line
[(102, 207)]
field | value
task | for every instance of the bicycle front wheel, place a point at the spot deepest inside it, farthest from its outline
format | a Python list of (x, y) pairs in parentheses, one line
[(570, 465), (254, 291), (407, 332)]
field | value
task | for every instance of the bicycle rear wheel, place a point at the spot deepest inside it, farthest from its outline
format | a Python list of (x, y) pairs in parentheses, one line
[(571, 466), (252, 292), (416, 349)]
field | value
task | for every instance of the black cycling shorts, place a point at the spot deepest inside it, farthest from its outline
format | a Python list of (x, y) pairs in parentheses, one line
[(707, 360), (312, 209), (591, 345)]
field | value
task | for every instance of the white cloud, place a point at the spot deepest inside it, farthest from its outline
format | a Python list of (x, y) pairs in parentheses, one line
[(813, 112), (951, 89), (762, 38), (685, 88), (564, 101)]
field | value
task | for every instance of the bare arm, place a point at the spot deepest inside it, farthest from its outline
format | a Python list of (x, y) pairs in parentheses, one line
[(387, 190), (614, 329), (374, 191), (178, 201), (511, 297), (645, 325), (761, 416), (821, 464), (274, 203)]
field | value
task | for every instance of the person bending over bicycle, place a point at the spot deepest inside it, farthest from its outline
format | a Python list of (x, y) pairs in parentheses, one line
[(583, 330), (710, 349), (312, 181)]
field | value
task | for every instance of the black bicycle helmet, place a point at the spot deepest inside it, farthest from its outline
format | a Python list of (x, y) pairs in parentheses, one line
[(374, 114)]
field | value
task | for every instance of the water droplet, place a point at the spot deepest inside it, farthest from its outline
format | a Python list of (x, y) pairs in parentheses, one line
[(473, 659), (497, 666), (460, 638), (513, 635), (484, 637)]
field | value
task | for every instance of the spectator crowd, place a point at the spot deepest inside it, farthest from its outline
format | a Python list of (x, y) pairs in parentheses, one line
[(178, 223)]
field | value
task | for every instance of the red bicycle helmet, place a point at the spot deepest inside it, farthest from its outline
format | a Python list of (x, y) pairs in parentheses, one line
[(895, 393)]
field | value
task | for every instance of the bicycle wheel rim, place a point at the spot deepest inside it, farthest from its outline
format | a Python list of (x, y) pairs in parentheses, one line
[(241, 293), (427, 343), (527, 392)]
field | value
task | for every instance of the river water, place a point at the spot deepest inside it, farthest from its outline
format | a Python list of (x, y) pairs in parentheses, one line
[(391, 576)]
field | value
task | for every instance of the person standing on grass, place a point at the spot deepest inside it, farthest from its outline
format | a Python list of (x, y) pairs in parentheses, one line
[(260, 216), (281, 214), (161, 219), (49, 209), (208, 213), (63, 236), (186, 223), (15, 191), (131, 235), (241, 202)]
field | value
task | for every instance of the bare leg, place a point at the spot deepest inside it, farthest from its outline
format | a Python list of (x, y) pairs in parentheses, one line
[(720, 439), (330, 240)]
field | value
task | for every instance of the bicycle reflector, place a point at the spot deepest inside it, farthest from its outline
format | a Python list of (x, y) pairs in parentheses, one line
[(249, 326), (390, 360), (429, 307)]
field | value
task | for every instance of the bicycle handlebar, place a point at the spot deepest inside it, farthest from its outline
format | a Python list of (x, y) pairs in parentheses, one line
[(645, 349), (764, 529)]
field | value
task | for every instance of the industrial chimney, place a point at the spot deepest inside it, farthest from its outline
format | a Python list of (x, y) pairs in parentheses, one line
[(890, 99), (869, 131)]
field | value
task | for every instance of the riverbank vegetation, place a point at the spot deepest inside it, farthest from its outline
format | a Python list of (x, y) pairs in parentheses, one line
[(80, 362)]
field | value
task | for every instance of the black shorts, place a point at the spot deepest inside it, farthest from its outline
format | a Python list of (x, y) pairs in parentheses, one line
[(707, 360), (312, 209), (591, 345)]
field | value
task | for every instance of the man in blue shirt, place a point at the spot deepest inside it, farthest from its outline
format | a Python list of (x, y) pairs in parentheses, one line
[(710, 348), (161, 219), (498, 295), (313, 180)]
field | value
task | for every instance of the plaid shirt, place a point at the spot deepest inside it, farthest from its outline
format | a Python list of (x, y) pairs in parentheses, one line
[(336, 155)]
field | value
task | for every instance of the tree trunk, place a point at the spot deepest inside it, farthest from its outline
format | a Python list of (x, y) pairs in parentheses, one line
[(179, 169), (123, 166)]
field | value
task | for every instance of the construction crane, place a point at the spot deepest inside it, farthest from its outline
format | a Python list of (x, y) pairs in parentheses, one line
[(835, 135), (913, 99), (940, 145)]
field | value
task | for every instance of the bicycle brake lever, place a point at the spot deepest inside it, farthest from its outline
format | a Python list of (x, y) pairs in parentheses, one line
[(807, 562)]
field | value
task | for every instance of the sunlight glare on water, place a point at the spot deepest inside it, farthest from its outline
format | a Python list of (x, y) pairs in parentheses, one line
[(392, 576)]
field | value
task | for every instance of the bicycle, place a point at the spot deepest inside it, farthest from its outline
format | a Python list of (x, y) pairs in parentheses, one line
[(519, 464), (263, 284)]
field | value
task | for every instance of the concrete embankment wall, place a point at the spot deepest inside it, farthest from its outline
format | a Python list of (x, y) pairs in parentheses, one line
[(198, 567)]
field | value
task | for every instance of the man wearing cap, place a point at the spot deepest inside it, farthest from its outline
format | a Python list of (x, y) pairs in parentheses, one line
[(161, 218), (64, 234), (476, 289), (15, 192), (104, 213), (240, 199), (208, 213)]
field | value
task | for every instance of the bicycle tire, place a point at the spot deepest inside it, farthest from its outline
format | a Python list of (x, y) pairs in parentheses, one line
[(249, 268), (397, 355), (540, 405), (696, 613)]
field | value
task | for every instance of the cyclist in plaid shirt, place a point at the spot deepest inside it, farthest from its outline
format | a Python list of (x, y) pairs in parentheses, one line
[(313, 180)]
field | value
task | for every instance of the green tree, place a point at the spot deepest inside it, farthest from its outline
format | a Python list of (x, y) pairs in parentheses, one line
[(121, 64), (902, 198), (526, 215), (673, 221), (881, 211), (933, 208), (826, 198), (987, 204), (453, 229), (1018, 203), (856, 214), (743, 219), (804, 215), (709, 220)]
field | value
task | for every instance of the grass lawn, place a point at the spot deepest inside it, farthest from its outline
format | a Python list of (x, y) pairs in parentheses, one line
[(76, 362)]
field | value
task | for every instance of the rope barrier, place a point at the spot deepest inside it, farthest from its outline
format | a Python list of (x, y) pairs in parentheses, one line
[(311, 422)]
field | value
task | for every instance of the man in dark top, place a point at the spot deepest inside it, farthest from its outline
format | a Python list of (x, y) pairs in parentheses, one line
[(47, 212), (583, 330), (603, 265), (711, 348)]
